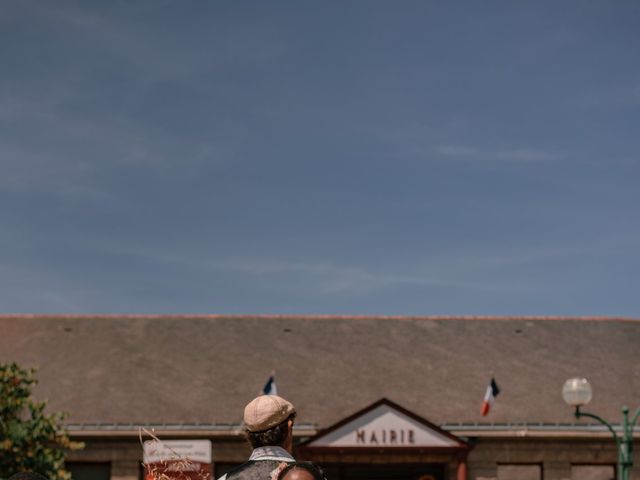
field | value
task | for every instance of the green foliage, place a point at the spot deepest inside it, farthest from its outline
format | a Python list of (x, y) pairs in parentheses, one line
[(30, 440)]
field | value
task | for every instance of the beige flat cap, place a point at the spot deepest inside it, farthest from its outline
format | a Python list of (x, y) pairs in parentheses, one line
[(266, 411)]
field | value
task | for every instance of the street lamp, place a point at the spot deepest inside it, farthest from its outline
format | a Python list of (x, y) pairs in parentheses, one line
[(577, 393)]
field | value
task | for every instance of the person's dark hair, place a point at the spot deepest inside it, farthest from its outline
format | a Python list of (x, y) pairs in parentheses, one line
[(27, 476), (312, 468), (274, 436)]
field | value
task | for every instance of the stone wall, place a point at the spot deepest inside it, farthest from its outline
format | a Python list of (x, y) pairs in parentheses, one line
[(490, 459), (555, 458)]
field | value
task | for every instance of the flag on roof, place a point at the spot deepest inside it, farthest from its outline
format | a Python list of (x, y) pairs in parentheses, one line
[(270, 387), (489, 396)]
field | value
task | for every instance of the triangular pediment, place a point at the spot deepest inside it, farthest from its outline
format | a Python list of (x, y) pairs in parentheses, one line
[(385, 425)]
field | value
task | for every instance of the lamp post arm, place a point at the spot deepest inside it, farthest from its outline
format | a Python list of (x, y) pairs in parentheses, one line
[(579, 414), (632, 424)]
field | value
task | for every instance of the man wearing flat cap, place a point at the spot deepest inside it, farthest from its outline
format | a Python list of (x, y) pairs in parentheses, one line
[(268, 420)]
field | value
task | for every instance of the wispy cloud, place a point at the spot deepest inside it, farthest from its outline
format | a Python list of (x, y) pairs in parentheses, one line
[(150, 55), (55, 150), (113, 38), (455, 270), (617, 96), (433, 141), (39, 290), (73, 132), (328, 278), (518, 155), (457, 151)]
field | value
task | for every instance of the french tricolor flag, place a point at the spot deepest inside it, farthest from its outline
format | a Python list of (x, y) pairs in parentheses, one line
[(270, 387), (490, 395)]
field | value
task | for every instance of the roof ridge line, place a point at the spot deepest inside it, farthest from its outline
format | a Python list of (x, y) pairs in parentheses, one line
[(135, 316)]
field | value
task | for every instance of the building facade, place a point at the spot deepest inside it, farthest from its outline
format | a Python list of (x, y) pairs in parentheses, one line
[(377, 397)]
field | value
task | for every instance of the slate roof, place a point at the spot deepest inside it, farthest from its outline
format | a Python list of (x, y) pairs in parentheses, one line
[(204, 369)]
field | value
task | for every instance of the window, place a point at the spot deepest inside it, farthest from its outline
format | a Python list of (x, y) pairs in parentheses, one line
[(593, 472), (519, 472), (388, 471), (89, 470)]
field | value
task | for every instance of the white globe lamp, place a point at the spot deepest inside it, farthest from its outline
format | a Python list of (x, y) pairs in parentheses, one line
[(577, 392)]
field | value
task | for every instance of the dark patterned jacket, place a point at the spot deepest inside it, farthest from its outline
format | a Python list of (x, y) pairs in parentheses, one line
[(264, 464)]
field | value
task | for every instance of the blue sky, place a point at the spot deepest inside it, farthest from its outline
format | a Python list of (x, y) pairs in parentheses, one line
[(364, 157)]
